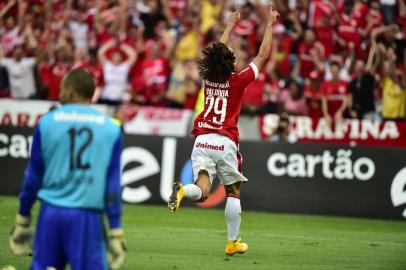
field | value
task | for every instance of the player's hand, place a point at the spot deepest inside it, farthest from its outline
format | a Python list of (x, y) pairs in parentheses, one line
[(273, 16), (116, 249), (235, 16), (21, 236)]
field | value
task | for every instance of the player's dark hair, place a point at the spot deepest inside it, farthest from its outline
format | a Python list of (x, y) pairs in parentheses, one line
[(81, 82), (217, 63)]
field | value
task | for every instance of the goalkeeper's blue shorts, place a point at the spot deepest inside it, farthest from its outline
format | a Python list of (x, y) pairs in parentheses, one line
[(69, 236)]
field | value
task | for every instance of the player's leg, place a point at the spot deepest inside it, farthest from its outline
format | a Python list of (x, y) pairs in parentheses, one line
[(48, 247), (233, 210), (197, 192), (204, 171), (233, 218), (229, 172), (200, 190), (85, 241)]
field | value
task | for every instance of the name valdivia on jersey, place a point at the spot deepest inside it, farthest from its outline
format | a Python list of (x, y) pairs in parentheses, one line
[(216, 92)]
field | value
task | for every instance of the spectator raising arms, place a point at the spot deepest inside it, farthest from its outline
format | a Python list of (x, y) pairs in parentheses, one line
[(106, 37), (394, 88), (21, 74), (115, 71), (362, 89), (150, 82)]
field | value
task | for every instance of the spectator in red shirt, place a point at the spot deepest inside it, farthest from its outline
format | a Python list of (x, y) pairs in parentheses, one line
[(44, 73), (178, 7), (334, 96), (311, 55), (325, 34), (12, 35), (318, 10), (247, 26), (283, 43), (359, 12), (348, 29), (151, 78), (313, 95), (253, 99), (62, 66), (281, 50), (375, 18)]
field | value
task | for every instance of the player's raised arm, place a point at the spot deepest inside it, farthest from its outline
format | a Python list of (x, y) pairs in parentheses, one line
[(232, 20), (265, 49)]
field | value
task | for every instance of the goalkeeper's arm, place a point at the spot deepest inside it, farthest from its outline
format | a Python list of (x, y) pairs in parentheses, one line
[(21, 235), (116, 252), (33, 176)]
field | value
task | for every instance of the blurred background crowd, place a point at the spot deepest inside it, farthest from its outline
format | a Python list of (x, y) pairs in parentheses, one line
[(333, 59)]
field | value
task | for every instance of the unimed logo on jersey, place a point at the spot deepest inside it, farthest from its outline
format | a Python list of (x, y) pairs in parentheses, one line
[(398, 190), (339, 166)]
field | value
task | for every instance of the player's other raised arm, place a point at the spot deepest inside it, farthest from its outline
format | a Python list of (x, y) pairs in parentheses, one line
[(265, 49), (232, 20)]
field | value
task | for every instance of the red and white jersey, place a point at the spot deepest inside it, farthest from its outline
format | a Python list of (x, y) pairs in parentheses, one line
[(347, 24), (11, 39), (375, 17), (222, 104), (334, 92), (317, 10)]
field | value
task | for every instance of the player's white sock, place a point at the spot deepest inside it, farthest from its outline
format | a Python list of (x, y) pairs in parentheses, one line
[(192, 192), (233, 217)]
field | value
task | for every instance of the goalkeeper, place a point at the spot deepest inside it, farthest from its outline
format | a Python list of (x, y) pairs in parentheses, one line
[(75, 171)]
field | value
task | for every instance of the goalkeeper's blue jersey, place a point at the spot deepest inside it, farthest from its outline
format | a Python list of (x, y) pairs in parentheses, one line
[(75, 154)]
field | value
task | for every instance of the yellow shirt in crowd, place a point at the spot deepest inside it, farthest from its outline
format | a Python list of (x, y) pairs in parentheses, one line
[(188, 47), (394, 99), (209, 14)]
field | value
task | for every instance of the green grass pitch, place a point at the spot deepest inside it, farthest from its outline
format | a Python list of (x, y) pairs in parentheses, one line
[(195, 238)]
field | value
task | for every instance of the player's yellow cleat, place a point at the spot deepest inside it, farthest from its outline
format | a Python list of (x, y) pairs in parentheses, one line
[(177, 195), (234, 247)]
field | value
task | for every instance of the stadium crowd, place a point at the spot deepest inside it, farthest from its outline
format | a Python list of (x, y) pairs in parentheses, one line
[(330, 58)]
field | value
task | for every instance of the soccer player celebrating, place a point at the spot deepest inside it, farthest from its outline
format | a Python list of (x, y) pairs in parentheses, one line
[(75, 171), (215, 151)]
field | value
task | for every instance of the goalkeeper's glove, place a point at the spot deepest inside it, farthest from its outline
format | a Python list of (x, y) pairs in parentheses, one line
[(21, 236), (117, 249)]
